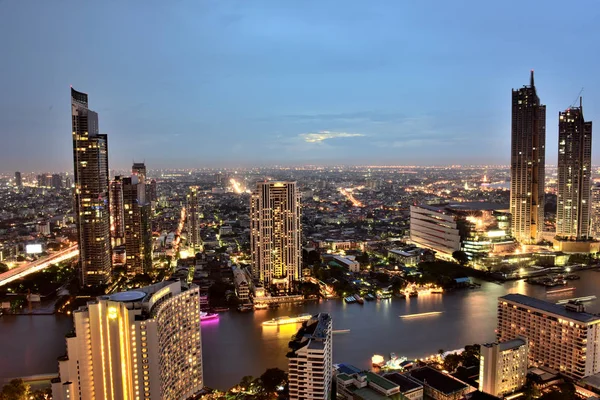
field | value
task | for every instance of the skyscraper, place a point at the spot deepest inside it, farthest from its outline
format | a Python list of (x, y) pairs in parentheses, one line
[(194, 240), (140, 344), (132, 212), (117, 212), (90, 160), (310, 365), (595, 211), (574, 174), (503, 367), (139, 169), (57, 181), (18, 180), (528, 160), (275, 237)]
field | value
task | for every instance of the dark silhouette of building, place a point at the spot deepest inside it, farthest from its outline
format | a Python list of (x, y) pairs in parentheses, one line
[(117, 216), (528, 160), (18, 180), (90, 160)]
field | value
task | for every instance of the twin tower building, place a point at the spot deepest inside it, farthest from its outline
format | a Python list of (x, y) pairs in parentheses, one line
[(527, 169)]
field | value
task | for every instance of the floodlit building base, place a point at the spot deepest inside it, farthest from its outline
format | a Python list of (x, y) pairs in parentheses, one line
[(576, 246)]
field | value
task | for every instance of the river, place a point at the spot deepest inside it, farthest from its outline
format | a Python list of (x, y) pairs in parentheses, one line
[(237, 344)]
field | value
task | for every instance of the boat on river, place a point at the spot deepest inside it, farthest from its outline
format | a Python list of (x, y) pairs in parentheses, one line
[(204, 316), (287, 320)]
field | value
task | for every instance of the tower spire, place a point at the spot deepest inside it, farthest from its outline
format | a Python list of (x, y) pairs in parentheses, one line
[(531, 79)]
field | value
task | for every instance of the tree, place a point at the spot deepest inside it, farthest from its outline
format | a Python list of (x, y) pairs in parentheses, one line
[(451, 362), (15, 390), (363, 258), (272, 378), (3, 268), (313, 257), (460, 257)]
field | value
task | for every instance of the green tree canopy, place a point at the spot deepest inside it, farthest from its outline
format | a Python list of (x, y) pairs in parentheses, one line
[(15, 390)]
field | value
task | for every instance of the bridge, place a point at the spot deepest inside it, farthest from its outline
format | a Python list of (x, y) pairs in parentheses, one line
[(38, 265)]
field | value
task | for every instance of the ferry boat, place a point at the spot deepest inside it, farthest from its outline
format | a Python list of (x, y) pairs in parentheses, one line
[(261, 306), (359, 299), (287, 320), (414, 293), (350, 299), (369, 297), (245, 308), (204, 316)]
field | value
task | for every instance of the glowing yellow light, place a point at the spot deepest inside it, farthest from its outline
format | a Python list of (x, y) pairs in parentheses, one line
[(112, 312)]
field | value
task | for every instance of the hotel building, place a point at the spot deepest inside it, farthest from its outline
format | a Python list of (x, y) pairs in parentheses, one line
[(140, 344), (527, 164), (310, 366), (475, 228), (503, 367), (90, 164), (574, 174), (275, 237), (564, 338)]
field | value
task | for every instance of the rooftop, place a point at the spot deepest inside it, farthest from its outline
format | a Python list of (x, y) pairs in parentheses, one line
[(438, 380), (552, 308), (380, 381), (406, 384)]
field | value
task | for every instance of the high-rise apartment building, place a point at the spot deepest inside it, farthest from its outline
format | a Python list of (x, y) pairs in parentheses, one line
[(595, 211), (574, 174), (57, 181), (276, 234), (90, 160), (310, 365), (563, 338), (139, 169), (503, 367), (18, 180), (194, 240), (527, 163), (117, 212), (141, 344), (132, 212)]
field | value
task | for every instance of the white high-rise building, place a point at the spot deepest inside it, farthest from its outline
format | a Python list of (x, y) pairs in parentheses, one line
[(276, 232), (503, 367), (140, 344), (564, 338), (595, 212), (310, 366)]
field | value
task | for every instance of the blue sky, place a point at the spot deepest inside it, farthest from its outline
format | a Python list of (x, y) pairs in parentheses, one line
[(234, 83)]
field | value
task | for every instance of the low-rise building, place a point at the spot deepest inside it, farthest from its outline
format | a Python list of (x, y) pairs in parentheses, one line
[(438, 385), (350, 263), (503, 367), (366, 385), (410, 258), (242, 288), (409, 388)]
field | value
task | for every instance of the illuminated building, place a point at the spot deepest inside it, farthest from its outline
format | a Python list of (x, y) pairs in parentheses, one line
[(574, 174), (56, 181), (310, 366), (18, 180), (275, 237), (90, 160), (503, 367), (528, 160), (194, 240), (141, 344), (595, 211), (139, 170), (132, 212), (564, 338), (476, 228), (117, 217)]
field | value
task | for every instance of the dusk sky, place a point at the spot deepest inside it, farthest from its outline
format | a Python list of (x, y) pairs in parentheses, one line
[(239, 83)]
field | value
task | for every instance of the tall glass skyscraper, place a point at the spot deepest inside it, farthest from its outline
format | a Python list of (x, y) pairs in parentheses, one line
[(574, 174), (527, 163), (90, 162), (275, 237)]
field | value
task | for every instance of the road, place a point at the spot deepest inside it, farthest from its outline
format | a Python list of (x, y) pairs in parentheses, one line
[(38, 265)]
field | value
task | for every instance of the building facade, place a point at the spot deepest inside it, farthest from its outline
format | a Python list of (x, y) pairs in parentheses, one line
[(132, 211), (595, 211), (141, 344), (90, 161), (117, 215), (503, 367), (574, 174), (18, 180), (527, 164), (310, 365), (194, 241), (276, 234), (562, 338)]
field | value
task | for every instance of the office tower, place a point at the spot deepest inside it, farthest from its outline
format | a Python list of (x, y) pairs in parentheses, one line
[(139, 169), (574, 174), (117, 212), (503, 367), (44, 180), (141, 344), (275, 237), (18, 180), (132, 213), (564, 338), (194, 240), (68, 182), (310, 366), (90, 159), (152, 195), (56, 181), (527, 163), (595, 211)]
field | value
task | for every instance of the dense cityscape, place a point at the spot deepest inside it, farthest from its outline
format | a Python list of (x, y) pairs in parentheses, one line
[(272, 270)]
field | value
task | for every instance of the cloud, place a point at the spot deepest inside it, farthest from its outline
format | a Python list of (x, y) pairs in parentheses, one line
[(325, 135)]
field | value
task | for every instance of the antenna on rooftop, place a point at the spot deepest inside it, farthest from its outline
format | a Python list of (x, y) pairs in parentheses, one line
[(577, 99)]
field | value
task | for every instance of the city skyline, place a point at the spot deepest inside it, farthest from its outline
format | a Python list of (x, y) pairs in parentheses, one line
[(264, 79)]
